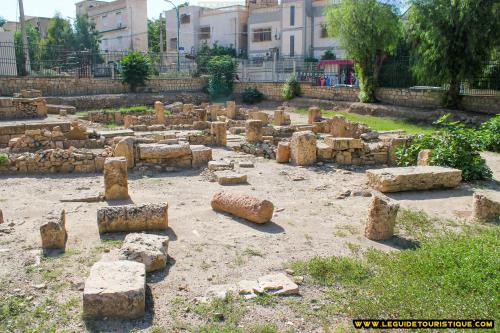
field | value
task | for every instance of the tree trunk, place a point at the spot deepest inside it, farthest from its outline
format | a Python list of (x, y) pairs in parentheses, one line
[(452, 98), (366, 84)]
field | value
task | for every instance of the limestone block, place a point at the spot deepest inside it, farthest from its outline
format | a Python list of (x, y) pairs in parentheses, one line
[(125, 148), (53, 232), (115, 289), (486, 207), (303, 148), (231, 109), (163, 151), (151, 250), (343, 143), (244, 206), (77, 132), (253, 129), (133, 218), (413, 178), (278, 284), (228, 177), (201, 155), (283, 152), (220, 165), (337, 126), (160, 112), (423, 157), (279, 118), (218, 129), (381, 219), (323, 151), (314, 115), (115, 178)]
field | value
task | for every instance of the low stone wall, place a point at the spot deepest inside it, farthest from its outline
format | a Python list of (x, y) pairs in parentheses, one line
[(421, 98), (13, 130), (56, 160), (71, 86), (95, 102)]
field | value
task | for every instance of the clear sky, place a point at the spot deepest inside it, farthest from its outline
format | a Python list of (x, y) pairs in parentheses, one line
[(47, 8)]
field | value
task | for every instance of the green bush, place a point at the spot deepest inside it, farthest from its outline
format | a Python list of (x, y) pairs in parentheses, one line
[(328, 55), (453, 146), (135, 69), (489, 134), (291, 88), (252, 95), (221, 71), (3, 158)]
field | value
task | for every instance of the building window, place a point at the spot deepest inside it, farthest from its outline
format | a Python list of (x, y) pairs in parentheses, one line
[(292, 15), (324, 31), (261, 35), (205, 33), (292, 46), (185, 19), (173, 43)]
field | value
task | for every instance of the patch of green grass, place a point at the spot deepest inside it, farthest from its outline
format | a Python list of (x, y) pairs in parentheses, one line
[(251, 252), (228, 310), (112, 125), (378, 123), (265, 299), (332, 270), (453, 275), (230, 328), (20, 314)]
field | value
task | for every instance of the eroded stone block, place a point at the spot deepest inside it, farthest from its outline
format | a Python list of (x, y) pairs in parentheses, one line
[(53, 232), (115, 178), (151, 250), (133, 218), (381, 218), (303, 148)]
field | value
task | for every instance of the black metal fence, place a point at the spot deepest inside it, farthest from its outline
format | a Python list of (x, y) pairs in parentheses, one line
[(44, 61)]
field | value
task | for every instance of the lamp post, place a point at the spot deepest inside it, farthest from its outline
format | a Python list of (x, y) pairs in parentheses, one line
[(178, 32)]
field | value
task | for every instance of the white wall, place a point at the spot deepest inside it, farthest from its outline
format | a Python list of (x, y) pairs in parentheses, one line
[(8, 62), (262, 47)]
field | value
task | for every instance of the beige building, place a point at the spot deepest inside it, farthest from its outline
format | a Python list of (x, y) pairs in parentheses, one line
[(225, 26), (39, 23), (122, 23)]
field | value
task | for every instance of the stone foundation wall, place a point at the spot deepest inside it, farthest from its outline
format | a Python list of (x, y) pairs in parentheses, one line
[(70, 86), (10, 131), (421, 98)]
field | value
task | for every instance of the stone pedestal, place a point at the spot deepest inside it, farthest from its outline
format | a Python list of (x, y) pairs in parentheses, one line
[(303, 148), (381, 218), (218, 129), (115, 178), (423, 157), (279, 117), (314, 115), (125, 148), (283, 152), (253, 130), (160, 112), (231, 109), (53, 232)]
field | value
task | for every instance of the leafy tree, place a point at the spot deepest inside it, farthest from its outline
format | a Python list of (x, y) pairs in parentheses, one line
[(369, 31), (135, 69), (205, 53), (252, 95), (59, 40), (2, 21), (221, 71), (86, 36), (154, 28), (452, 39), (34, 41), (328, 55)]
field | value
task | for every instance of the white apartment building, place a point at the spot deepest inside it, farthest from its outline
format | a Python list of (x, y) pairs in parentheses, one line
[(293, 28), (123, 24), (226, 26)]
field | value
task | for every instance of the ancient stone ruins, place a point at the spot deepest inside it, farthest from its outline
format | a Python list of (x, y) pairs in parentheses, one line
[(179, 137)]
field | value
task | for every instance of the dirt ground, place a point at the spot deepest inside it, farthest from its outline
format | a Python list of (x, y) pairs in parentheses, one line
[(206, 248)]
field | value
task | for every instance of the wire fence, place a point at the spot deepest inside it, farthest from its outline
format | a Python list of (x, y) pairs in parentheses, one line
[(44, 61)]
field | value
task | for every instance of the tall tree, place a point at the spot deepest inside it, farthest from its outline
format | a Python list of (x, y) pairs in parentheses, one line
[(86, 35), (452, 40), (34, 40), (369, 31), (60, 33), (154, 28)]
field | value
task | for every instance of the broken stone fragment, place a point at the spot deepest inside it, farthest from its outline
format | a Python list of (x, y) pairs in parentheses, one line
[(151, 250), (115, 289), (283, 152), (125, 148), (244, 206), (220, 165), (381, 219), (253, 129), (486, 207), (228, 177), (303, 148), (53, 232)]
